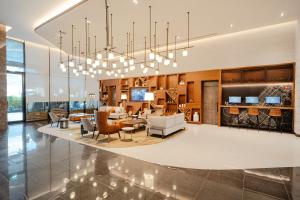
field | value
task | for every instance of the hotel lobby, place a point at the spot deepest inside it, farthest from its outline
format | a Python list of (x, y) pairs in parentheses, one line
[(153, 100)]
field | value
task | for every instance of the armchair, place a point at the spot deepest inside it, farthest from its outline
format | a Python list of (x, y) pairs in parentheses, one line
[(88, 126), (54, 118), (104, 128)]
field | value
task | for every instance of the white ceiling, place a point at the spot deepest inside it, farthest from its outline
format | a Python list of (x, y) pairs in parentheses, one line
[(207, 17), (24, 15)]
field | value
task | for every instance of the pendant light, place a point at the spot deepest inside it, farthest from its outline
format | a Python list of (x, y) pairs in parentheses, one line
[(71, 62), (185, 51)]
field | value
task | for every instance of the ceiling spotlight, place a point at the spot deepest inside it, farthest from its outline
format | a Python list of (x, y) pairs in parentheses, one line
[(119, 70), (114, 65), (99, 71), (71, 63), (77, 74), (63, 69), (116, 75), (152, 64), (122, 75), (80, 67), (74, 71), (108, 73), (95, 72), (91, 70), (97, 62), (99, 56), (111, 55), (142, 66), (122, 59), (94, 65), (89, 61), (126, 69), (156, 72), (175, 64), (92, 76), (184, 53), (171, 55), (166, 62), (125, 64), (112, 71), (104, 64)]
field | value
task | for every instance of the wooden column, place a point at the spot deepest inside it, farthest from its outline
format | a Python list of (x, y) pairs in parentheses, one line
[(3, 82)]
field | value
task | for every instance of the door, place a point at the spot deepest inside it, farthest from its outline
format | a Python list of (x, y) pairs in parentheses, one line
[(210, 102), (15, 97)]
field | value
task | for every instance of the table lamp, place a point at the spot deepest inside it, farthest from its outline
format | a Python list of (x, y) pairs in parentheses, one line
[(123, 97), (149, 96)]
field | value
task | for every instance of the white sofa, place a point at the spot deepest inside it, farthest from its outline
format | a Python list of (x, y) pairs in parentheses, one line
[(119, 112), (165, 125)]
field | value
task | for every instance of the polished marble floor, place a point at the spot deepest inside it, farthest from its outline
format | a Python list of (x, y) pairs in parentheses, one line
[(39, 166)]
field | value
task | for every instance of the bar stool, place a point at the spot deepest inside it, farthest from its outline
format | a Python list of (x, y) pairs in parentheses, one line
[(275, 113), (235, 112), (255, 113)]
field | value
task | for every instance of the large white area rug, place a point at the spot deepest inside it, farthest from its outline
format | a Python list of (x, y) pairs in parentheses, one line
[(212, 147)]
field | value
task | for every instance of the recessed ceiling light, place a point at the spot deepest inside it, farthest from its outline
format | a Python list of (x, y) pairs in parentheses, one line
[(231, 25), (8, 28), (282, 14), (135, 2)]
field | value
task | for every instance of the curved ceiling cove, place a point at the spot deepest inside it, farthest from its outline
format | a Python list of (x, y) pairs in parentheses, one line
[(207, 18)]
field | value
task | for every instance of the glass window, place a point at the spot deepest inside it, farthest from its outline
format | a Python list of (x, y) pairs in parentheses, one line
[(15, 52)]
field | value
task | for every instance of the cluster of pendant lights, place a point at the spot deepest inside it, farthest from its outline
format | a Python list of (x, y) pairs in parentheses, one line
[(113, 63)]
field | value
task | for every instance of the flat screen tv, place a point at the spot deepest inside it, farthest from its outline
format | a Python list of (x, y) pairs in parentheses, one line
[(138, 93), (252, 100), (273, 100), (235, 99)]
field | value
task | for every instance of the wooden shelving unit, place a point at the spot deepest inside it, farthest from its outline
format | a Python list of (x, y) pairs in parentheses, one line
[(183, 92)]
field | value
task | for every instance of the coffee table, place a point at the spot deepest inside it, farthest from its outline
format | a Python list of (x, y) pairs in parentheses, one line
[(77, 117), (134, 122)]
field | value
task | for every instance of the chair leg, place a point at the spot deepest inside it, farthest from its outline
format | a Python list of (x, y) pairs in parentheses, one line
[(97, 136), (257, 121), (108, 138), (120, 135), (269, 123), (57, 124)]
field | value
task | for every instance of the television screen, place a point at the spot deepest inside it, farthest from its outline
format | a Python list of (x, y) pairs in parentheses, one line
[(234, 99), (138, 94), (252, 100), (273, 100)]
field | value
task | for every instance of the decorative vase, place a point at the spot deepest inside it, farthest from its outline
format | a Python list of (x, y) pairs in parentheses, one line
[(196, 117)]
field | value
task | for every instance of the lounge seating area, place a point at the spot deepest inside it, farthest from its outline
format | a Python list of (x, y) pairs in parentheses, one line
[(111, 120)]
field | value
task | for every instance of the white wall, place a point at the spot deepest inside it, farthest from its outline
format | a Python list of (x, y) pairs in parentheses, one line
[(297, 96)]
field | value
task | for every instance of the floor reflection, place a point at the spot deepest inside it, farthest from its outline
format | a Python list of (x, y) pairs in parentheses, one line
[(39, 166)]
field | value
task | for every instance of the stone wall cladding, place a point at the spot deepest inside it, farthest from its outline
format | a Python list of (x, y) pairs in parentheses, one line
[(3, 81)]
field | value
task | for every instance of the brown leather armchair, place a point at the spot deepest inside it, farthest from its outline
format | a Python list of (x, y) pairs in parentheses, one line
[(104, 128)]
